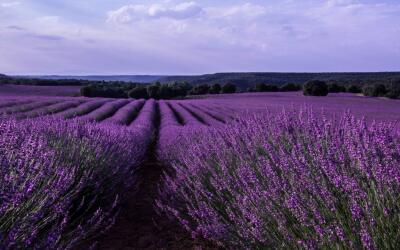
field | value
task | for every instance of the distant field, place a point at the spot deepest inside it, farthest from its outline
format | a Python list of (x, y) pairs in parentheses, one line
[(23, 90), (372, 108)]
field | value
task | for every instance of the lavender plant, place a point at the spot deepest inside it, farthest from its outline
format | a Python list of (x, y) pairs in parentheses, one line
[(170, 129), (187, 117), (60, 180), (27, 107), (104, 111), (82, 109), (52, 109), (288, 180), (126, 114)]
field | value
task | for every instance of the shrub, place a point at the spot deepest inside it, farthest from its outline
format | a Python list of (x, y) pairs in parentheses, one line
[(354, 89), (215, 89), (200, 89), (289, 180), (315, 88), (394, 89), (290, 87), (374, 90), (262, 87), (86, 91), (229, 88), (140, 92), (153, 91), (334, 88)]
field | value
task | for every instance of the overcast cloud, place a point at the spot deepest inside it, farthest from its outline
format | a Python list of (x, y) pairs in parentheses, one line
[(188, 37)]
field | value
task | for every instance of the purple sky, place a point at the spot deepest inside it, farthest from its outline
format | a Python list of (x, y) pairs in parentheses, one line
[(183, 37)]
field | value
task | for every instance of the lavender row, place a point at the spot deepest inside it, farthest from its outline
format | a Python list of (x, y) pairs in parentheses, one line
[(105, 111), (187, 118), (291, 180), (145, 120), (60, 180), (170, 130), (126, 114), (220, 111), (168, 117), (10, 103), (27, 107), (52, 109), (82, 109), (215, 117)]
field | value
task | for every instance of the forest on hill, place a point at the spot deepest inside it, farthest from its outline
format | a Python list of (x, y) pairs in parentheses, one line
[(243, 81)]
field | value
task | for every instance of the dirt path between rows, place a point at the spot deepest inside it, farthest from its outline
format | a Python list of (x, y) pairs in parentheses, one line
[(138, 225)]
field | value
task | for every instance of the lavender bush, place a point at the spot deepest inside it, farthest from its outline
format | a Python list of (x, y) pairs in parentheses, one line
[(187, 117), (288, 180), (83, 109), (60, 180), (27, 107), (104, 111), (126, 114)]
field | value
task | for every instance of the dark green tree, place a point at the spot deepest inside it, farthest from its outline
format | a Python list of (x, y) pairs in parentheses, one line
[(354, 89), (315, 88), (215, 89), (153, 91), (139, 92), (228, 88), (374, 90)]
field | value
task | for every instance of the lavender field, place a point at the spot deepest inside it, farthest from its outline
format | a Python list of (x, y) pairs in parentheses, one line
[(239, 171)]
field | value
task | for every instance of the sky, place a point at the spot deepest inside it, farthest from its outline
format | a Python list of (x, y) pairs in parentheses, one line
[(168, 37)]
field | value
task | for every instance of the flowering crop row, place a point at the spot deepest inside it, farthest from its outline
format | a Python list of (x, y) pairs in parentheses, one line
[(52, 109), (9, 103), (288, 180), (104, 111), (60, 180), (27, 107), (126, 114), (82, 109), (187, 118), (170, 129), (215, 118)]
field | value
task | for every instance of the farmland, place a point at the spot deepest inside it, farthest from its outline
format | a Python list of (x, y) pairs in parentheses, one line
[(233, 171)]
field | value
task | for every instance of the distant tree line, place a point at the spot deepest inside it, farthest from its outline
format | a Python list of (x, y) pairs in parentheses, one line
[(321, 88), (42, 82), (372, 84), (156, 91), (246, 80), (263, 87)]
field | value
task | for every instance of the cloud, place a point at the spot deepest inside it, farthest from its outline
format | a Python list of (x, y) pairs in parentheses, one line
[(9, 4), (174, 37), (246, 10), (130, 13)]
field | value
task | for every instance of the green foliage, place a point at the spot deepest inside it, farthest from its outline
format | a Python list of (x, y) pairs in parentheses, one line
[(290, 87), (262, 87), (200, 89), (393, 91), (153, 91), (315, 88), (335, 88), (139, 92), (374, 90), (159, 91), (229, 88), (215, 89), (107, 90), (354, 89)]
